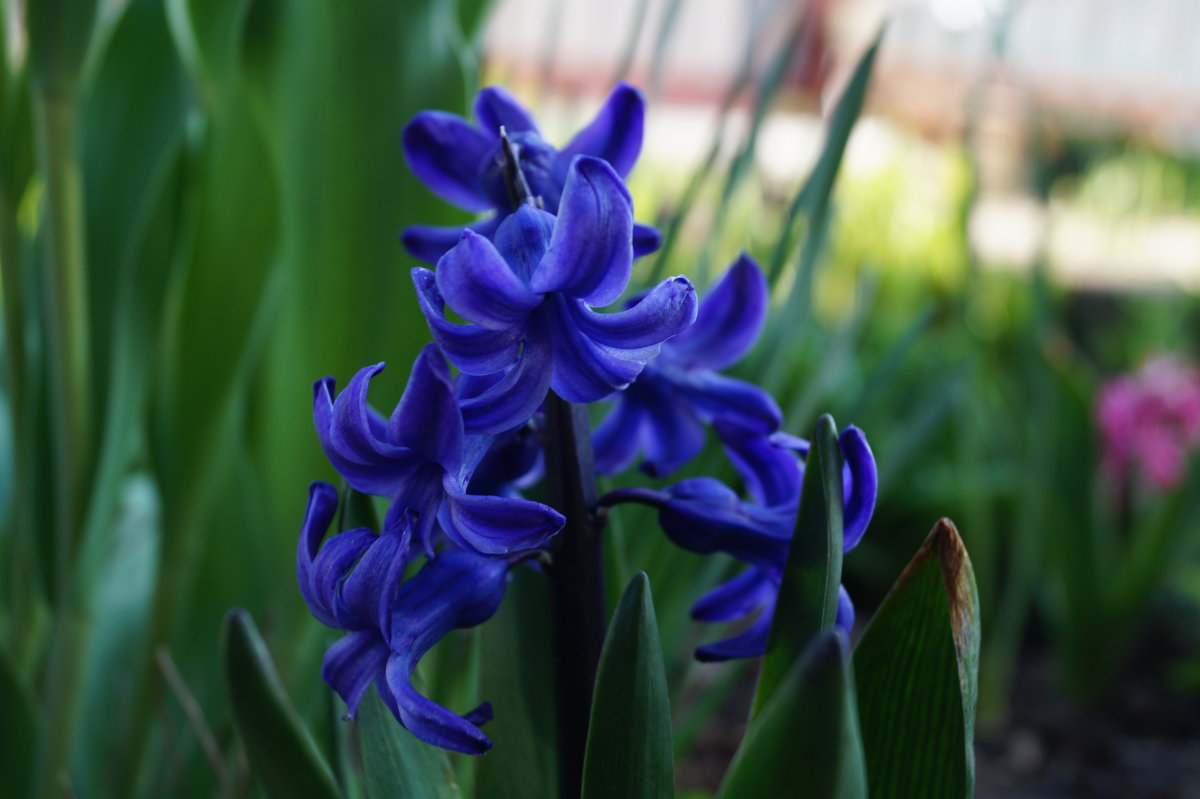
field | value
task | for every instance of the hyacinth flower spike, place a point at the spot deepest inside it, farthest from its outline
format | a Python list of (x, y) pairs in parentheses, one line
[(704, 516), (529, 299), (463, 163), (421, 459), (664, 411), (355, 582)]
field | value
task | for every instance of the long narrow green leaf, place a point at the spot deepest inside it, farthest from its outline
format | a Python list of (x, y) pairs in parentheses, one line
[(281, 753), (813, 197), (19, 728), (808, 595), (518, 680), (805, 742), (916, 671), (395, 764), (629, 738), (813, 201)]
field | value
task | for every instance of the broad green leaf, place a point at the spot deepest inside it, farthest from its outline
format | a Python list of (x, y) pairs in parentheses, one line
[(808, 594), (395, 764), (629, 753), (18, 728), (280, 751), (59, 34), (916, 668), (125, 172), (518, 679), (805, 742)]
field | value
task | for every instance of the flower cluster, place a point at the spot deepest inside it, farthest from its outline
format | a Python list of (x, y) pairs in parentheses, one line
[(1150, 422), (526, 287)]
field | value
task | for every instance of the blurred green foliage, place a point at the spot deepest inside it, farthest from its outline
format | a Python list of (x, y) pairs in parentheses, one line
[(221, 182)]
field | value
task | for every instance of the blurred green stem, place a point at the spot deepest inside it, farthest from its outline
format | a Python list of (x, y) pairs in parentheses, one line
[(66, 323), (20, 586)]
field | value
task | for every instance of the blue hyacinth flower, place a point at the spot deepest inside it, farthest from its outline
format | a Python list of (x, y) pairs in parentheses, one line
[(422, 460), (355, 582), (461, 162), (664, 411), (705, 516), (529, 299)]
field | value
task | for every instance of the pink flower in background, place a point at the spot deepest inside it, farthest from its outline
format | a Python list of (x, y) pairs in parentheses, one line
[(1150, 422)]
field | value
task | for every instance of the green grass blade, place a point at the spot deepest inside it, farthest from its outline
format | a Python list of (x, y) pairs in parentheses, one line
[(808, 594), (280, 751), (629, 737), (805, 742), (19, 727), (916, 671), (813, 198)]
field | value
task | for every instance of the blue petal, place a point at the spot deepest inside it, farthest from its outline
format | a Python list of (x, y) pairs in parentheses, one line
[(426, 719), (617, 439), (478, 284), (499, 525), (454, 590), (511, 461), (416, 504), (522, 239), (319, 571), (354, 437), (367, 592), (736, 598), (772, 474), (729, 320), (673, 433), (845, 611), (704, 516), (353, 663), (510, 401), (662, 312), (645, 240), (748, 644), (583, 370), (591, 251), (428, 243), (616, 133), (730, 399), (426, 420), (495, 107), (864, 485), (473, 349), (446, 153)]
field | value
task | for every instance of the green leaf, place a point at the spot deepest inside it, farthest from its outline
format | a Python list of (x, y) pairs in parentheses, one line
[(629, 753), (809, 592), (395, 763), (812, 202), (19, 727), (279, 748), (813, 197), (916, 667), (518, 680), (59, 33), (805, 742)]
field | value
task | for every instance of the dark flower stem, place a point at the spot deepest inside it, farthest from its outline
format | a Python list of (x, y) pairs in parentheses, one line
[(641, 496), (576, 581), (576, 568)]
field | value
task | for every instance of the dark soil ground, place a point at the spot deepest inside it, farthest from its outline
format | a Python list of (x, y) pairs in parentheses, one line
[(1144, 743)]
